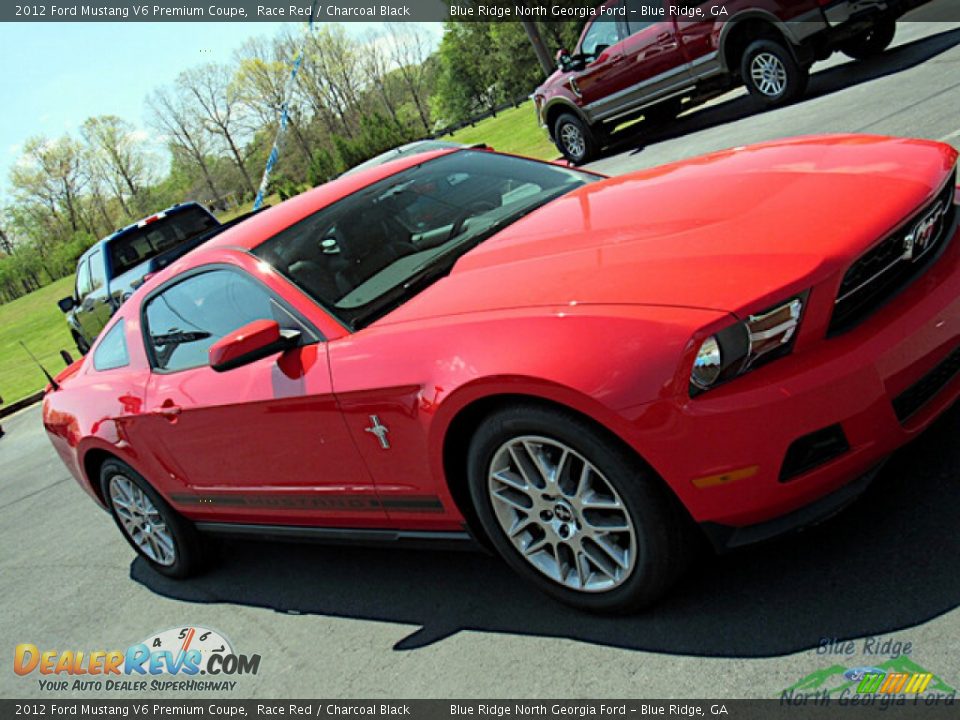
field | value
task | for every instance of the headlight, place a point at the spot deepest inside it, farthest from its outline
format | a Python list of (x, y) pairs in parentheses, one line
[(746, 345), (708, 364)]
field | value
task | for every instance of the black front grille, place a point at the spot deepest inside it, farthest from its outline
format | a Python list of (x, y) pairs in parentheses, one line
[(883, 270), (921, 392), (813, 450)]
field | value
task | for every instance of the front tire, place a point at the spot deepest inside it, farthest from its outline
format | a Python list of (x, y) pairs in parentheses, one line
[(575, 139), (871, 42), (771, 73), (166, 540), (574, 512)]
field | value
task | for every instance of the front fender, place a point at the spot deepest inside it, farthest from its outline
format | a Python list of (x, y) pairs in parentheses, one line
[(606, 363)]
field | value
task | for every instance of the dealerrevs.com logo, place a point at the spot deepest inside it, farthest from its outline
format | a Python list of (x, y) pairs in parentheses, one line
[(165, 661)]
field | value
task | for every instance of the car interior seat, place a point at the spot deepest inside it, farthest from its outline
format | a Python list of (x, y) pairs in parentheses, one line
[(366, 248)]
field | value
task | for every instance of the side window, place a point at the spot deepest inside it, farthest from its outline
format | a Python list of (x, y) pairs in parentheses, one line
[(97, 275), (83, 279), (641, 14), (187, 318), (111, 352), (601, 35)]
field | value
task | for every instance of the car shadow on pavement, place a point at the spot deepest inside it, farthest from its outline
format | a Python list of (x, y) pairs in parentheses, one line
[(889, 562), (825, 82)]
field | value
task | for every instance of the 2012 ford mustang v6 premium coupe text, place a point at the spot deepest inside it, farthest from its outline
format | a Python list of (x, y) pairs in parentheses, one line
[(582, 372)]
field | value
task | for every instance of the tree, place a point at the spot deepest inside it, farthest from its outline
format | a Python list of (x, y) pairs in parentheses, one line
[(331, 76), (467, 80), (376, 67), (409, 53), (261, 83), (172, 116), (118, 152), (49, 172), (215, 99)]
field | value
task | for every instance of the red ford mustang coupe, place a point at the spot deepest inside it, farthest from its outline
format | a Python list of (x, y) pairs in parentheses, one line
[(581, 372)]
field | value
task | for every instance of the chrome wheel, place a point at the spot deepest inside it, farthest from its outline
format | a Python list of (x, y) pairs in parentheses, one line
[(141, 521), (561, 514), (573, 140), (769, 74)]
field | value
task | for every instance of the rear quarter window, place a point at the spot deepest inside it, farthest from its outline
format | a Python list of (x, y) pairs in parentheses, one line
[(111, 352)]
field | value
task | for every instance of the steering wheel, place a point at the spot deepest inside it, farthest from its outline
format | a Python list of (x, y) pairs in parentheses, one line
[(477, 207)]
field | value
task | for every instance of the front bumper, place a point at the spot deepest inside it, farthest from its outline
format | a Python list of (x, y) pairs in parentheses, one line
[(725, 537), (881, 383)]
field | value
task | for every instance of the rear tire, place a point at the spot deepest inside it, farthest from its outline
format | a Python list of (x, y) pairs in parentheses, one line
[(872, 42), (168, 541), (574, 512), (771, 73), (575, 139)]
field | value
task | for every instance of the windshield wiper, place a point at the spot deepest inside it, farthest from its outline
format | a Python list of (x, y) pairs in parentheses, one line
[(179, 337)]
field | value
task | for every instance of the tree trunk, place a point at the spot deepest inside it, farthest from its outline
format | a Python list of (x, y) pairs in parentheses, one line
[(533, 32), (239, 161), (300, 139), (418, 101)]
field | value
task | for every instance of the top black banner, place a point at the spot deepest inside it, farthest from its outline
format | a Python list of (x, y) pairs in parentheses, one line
[(464, 10)]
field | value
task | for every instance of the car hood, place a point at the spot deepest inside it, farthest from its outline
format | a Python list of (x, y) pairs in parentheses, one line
[(728, 231)]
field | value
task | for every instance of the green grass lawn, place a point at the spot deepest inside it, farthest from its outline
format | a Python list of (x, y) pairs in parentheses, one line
[(35, 319), (512, 131)]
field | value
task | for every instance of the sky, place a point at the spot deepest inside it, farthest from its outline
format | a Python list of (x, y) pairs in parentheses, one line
[(55, 75)]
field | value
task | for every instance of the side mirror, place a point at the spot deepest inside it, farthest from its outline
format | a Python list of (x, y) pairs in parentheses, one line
[(563, 59), (66, 304), (253, 341)]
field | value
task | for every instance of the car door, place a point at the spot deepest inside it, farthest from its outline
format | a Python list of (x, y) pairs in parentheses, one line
[(264, 441), (655, 61), (601, 76), (699, 38)]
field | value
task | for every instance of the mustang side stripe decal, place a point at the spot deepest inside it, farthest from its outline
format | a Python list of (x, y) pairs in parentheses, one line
[(355, 503)]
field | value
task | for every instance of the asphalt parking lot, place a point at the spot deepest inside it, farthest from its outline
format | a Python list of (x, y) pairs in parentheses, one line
[(352, 622)]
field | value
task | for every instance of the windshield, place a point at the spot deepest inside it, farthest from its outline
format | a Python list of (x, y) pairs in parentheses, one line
[(142, 243), (375, 249)]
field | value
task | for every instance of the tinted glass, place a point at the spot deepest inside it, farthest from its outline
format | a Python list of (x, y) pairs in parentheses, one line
[(111, 352), (97, 274), (83, 279), (141, 244), (602, 34), (376, 248), (187, 318)]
